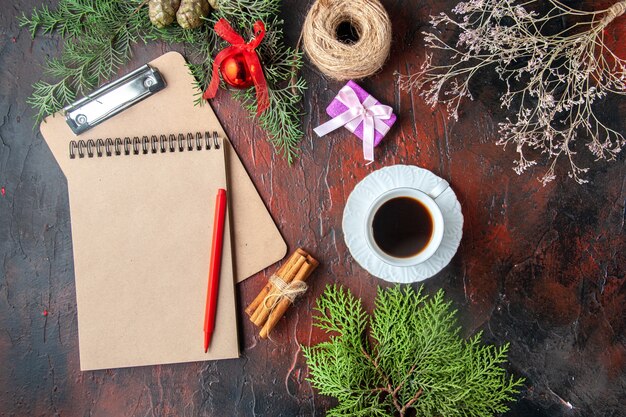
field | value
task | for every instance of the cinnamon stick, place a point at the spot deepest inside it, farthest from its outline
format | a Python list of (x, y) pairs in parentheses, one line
[(281, 272), (280, 309), (262, 312)]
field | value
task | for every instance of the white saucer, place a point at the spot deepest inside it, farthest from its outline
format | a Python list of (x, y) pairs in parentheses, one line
[(379, 182)]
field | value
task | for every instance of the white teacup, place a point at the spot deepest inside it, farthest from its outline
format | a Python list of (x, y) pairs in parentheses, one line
[(427, 201)]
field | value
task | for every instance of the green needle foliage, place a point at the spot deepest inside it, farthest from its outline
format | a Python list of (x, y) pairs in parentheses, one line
[(414, 361), (99, 39)]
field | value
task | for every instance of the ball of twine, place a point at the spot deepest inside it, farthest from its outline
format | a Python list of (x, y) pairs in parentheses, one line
[(343, 60)]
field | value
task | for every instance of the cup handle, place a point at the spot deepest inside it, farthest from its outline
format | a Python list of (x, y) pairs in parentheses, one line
[(439, 189)]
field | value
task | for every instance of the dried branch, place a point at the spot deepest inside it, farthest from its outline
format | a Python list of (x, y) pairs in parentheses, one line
[(553, 77)]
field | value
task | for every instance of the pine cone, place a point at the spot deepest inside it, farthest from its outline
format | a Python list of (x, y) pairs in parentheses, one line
[(215, 4), (191, 12), (162, 12)]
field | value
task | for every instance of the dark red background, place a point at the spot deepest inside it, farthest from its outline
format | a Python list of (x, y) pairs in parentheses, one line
[(539, 267)]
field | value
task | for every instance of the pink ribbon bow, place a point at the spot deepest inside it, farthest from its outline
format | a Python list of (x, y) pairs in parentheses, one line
[(368, 112)]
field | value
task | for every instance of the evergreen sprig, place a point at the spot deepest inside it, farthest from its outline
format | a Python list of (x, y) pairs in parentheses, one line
[(414, 358), (100, 36)]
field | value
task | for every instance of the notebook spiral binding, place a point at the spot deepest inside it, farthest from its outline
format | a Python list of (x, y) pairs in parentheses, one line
[(118, 146)]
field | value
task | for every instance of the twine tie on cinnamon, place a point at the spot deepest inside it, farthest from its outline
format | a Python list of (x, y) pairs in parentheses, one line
[(281, 290), (289, 291), (343, 60)]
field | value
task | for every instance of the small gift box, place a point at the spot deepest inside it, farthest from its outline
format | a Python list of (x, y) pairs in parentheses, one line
[(360, 113)]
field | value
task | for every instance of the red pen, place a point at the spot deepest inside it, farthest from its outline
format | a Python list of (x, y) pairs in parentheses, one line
[(214, 267)]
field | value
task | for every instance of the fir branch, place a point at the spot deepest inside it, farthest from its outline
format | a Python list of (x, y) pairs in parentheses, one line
[(417, 360), (101, 34), (67, 19), (49, 98), (281, 119), (246, 12)]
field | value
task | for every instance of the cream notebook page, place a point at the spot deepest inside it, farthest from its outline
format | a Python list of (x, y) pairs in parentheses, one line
[(141, 234)]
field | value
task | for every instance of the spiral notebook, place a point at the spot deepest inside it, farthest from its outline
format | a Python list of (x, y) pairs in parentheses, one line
[(142, 189)]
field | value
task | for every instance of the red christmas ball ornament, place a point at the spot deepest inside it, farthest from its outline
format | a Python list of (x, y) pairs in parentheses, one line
[(239, 64), (235, 71)]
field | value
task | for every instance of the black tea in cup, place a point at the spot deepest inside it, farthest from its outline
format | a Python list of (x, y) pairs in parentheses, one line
[(402, 227)]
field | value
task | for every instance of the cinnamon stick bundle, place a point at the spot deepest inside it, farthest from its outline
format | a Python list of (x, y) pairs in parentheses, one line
[(272, 302)]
